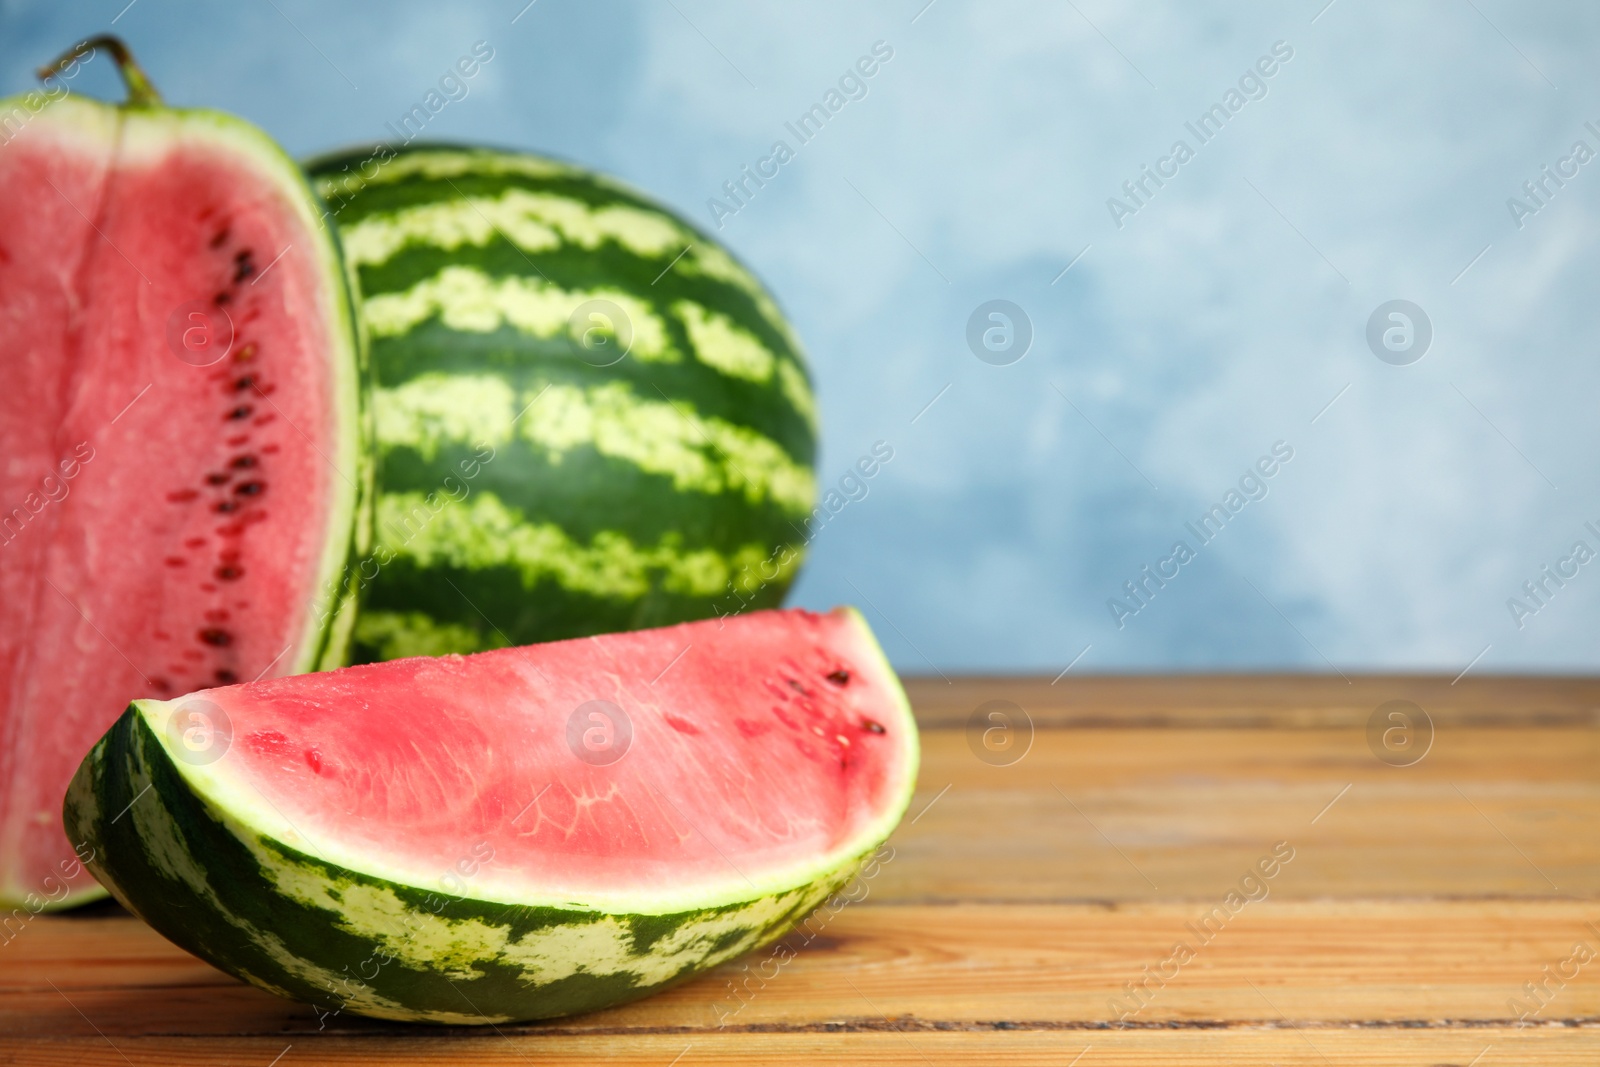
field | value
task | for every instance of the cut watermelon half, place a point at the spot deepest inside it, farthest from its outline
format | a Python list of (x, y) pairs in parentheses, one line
[(515, 834), (179, 433)]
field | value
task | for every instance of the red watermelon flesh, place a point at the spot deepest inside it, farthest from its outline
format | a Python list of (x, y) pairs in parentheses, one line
[(166, 521), (726, 755)]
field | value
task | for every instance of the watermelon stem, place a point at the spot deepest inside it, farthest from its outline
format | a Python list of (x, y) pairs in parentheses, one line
[(140, 92)]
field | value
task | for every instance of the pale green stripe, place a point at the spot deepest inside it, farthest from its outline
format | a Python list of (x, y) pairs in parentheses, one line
[(445, 164), (469, 300), (459, 948), (720, 344), (432, 410), (168, 853), (482, 531), (447, 225), (529, 220), (701, 454), (401, 634), (534, 222), (798, 392)]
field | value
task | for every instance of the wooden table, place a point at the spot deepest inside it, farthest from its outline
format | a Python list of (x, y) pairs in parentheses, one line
[(1024, 898)]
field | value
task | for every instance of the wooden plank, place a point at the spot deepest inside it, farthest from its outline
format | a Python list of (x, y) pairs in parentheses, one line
[(1438, 964), (1283, 1047), (1150, 814), (1278, 701)]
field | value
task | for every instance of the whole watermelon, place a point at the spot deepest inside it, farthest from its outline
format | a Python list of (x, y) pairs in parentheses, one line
[(589, 416)]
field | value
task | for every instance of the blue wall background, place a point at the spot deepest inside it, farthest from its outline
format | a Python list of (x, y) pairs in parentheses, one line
[(1220, 317)]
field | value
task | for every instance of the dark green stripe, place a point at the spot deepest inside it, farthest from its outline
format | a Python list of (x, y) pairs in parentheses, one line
[(587, 492), (492, 601), (531, 363), (573, 267), (575, 183)]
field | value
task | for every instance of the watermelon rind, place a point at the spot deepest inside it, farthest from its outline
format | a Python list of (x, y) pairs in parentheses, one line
[(329, 617), (221, 872), (526, 491)]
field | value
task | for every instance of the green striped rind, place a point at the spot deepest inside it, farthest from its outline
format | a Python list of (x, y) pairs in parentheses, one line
[(672, 485), (334, 606), (305, 928)]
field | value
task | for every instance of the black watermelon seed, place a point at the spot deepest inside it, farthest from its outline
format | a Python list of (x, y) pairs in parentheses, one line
[(227, 506), (243, 411), (216, 637), (229, 573), (241, 462), (250, 488), (221, 298), (244, 383), (225, 676), (222, 235), (840, 677), (218, 477)]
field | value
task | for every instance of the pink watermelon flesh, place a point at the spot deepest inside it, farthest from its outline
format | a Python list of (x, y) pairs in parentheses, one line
[(163, 523), (760, 748)]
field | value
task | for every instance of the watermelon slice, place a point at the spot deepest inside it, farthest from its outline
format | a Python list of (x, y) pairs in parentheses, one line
[(179, 432), (515, 834)]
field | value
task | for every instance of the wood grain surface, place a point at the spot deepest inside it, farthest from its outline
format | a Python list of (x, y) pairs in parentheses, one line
[(1083, 888)]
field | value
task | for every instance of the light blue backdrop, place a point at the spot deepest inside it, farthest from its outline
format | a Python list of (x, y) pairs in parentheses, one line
[(1223, 315)]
